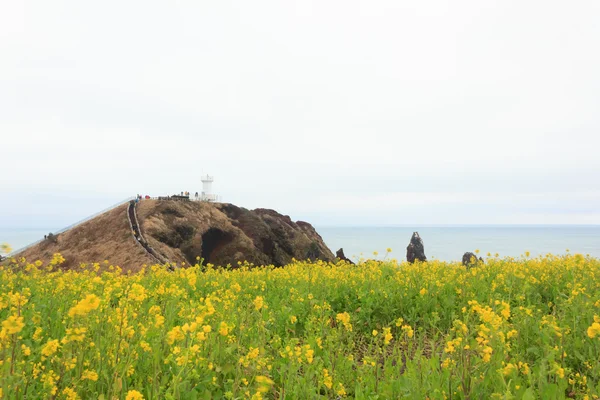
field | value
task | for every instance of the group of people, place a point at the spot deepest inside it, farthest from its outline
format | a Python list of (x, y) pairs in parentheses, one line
[(139, 198), (187, 194), (175, 196)]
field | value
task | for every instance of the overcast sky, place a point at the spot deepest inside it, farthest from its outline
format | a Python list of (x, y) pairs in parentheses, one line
[(335, 112)]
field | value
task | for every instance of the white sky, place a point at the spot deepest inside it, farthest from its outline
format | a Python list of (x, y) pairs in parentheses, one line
[(336, 112)]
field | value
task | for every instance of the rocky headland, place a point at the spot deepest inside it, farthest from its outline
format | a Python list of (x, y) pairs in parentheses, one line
[(181, 232)]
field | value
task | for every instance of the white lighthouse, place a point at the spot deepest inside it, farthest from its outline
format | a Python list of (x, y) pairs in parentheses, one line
[(207, 194)]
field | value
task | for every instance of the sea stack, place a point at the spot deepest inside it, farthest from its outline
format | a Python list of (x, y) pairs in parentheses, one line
[(415, 250), (470, 259), (340, 255)]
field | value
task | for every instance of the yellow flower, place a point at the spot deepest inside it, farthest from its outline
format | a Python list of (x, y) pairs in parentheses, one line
[(26, 350), (37, 335), (145, 346), (293, 319), (137, 292), (486, 354), (89, 375), (374, 332), (159, 321), (593, 330), (341, 391), (423, 292), (5, 248), (91, 302), (344, 318), (134, 395), (50, 348), (70, 394), (175, 334), (258, 302), (447, 363), (327, 379), (387, 335), (224, 329), (408, 330), (264, 379), (508, 369), (13, 324)]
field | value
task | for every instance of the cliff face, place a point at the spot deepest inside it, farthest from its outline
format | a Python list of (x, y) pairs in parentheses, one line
[(223, 234), (179, 231)]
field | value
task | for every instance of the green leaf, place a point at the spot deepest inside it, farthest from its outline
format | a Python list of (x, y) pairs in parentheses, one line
[(528, 395), (550, 391)]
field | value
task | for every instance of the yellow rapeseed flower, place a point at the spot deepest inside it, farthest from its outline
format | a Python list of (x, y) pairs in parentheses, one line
[(258, 302), (89, 375), (224, 329), (593, 330), (327, 379), (137, 292), (89, 303), (134, 395), (70, 394), (13, 324), (50, 348)]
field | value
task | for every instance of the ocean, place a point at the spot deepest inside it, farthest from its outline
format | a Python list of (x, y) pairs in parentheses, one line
[(449, 243), (446, 243)]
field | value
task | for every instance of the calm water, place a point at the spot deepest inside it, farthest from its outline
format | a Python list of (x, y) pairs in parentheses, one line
[(450, 243), (19, 238), (442, 243)]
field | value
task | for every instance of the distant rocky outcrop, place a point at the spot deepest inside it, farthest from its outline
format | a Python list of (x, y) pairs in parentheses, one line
[(340, 255), (415, 250), (470, 259)]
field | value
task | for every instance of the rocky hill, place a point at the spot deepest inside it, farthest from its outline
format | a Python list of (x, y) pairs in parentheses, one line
[(181, 231)]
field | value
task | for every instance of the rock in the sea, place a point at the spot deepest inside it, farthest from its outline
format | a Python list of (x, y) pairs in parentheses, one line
[(340, 254), (415, 250), (470, 259)]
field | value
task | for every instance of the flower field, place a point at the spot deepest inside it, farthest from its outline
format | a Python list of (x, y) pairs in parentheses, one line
[(506, 329)]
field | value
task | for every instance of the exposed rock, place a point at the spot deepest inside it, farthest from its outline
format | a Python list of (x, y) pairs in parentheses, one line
[(415, 249), (470, 259), (340, 254), (223, 234)]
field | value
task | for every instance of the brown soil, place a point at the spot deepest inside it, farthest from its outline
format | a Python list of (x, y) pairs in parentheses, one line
[(106, 237)]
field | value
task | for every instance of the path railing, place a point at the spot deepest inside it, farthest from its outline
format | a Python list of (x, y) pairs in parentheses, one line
[(136, 231), (15, 252)]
